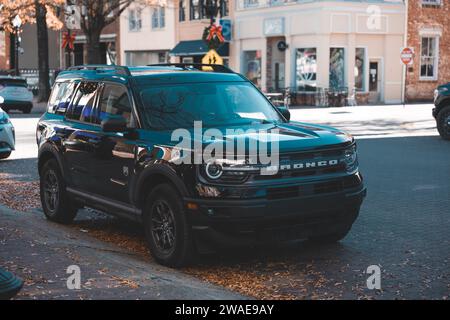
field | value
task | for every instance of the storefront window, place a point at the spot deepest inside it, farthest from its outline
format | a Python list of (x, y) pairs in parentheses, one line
[(306, 68), (360, 69), (337, 68), (251, 66)]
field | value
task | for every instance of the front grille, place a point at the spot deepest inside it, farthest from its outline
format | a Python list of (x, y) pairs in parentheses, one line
[(332, 186), (302, 173)]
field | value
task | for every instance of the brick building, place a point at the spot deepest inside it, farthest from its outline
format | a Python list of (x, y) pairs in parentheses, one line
[(429, 35)]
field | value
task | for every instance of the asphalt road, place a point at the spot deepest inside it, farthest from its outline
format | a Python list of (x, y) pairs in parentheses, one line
[(403, 225)]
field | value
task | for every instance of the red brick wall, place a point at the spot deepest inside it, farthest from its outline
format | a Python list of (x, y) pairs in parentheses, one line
[(429, 17)]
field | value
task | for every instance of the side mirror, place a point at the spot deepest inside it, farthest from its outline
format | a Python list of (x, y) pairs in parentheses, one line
[(114, 124), (285, 112), (2, 100)]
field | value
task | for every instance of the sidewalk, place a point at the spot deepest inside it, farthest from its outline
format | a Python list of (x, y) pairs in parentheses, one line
[(379, 121), (40, 251)]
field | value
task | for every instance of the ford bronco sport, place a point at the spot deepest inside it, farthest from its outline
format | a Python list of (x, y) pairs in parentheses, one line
[(106, 142)]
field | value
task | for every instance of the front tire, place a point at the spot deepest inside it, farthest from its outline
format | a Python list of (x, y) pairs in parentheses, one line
[(166, 228), (4, 155), (56, 203), (443, 123)]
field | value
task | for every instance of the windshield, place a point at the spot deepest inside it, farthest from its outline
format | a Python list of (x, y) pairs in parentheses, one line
[(215, 104)]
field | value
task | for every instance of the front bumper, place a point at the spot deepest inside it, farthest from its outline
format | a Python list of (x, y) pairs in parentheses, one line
[(7, 137), (250, 221)]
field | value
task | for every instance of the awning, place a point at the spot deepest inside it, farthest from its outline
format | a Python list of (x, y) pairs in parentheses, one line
[(197, 48)]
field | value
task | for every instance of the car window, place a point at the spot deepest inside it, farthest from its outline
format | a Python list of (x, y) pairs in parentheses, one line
[(114, 102), (60, 96), (82, 106)]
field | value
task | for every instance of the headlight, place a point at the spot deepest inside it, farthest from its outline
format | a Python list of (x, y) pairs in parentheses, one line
[(351, 158), (231, 169), (214, 170)]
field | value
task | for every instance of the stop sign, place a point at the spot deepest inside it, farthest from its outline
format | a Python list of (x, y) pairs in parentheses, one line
[(407, 55)]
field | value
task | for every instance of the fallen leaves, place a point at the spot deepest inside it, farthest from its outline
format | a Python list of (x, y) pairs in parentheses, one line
[(125, 282), (19, 195)]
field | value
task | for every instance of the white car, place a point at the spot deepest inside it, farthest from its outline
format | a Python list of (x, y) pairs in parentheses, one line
[(16, 94), (7, 134)]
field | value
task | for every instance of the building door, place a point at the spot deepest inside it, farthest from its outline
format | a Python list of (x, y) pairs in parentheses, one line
[(278, 75), (374, 82), (275, 63)]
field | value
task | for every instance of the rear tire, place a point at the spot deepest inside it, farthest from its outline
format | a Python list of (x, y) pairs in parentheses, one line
[(166, 228), (4, 155), (56, 203), (442, 122)]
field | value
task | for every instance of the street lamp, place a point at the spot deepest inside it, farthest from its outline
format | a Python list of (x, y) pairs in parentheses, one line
[(17, 23), (212, 8)]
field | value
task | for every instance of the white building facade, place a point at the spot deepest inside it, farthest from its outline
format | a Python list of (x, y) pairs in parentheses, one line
[(147, 34), (309, 45)]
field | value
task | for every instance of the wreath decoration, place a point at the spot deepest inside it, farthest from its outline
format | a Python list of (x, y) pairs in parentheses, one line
[(213, 36)]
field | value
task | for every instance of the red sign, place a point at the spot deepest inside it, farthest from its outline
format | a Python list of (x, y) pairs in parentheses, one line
[(407, 56), (68, 40)]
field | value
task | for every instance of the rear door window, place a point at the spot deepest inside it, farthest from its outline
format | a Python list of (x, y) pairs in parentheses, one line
[(83, 103), (114, 102)]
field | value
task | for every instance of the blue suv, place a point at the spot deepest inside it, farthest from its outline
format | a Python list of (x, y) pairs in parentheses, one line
[(107, 142)]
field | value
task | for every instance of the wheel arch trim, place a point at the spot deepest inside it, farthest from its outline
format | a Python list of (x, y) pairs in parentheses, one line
[(160, 171)]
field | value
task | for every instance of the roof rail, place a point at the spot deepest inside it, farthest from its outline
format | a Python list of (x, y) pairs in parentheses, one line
[(102, 67), (195, 66)]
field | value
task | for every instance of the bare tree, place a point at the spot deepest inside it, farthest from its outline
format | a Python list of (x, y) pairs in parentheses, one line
[(97, 14), (41, 12)]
